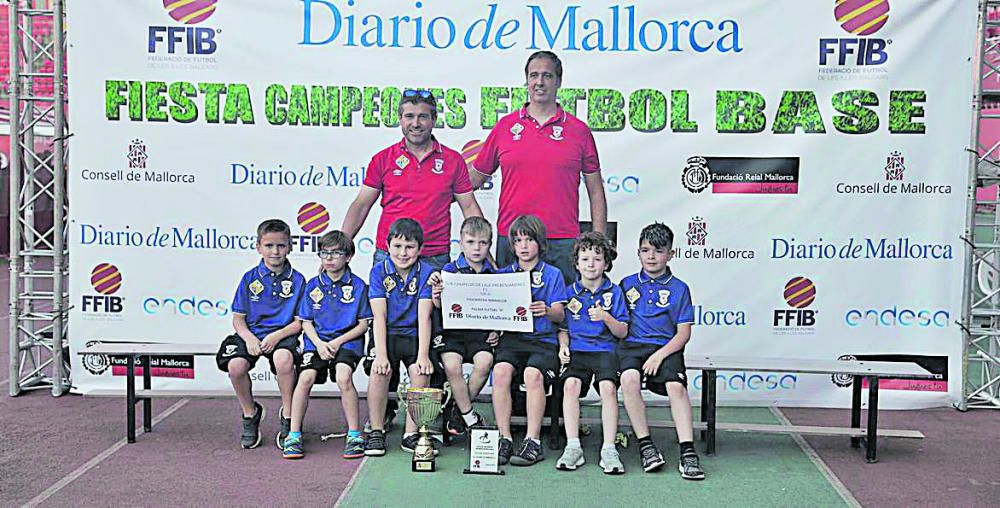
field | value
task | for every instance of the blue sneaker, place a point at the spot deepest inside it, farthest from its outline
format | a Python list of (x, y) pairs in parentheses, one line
[(292, 448)]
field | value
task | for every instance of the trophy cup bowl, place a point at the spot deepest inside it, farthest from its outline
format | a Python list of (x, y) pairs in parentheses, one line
[(423, 405)]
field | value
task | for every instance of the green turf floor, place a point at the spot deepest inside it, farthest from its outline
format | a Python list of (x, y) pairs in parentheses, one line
[(747, 470)]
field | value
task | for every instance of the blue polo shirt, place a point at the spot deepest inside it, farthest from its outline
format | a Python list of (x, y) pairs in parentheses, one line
[(656, 306), (587, 335), (401, 296), (461, 265), (335, 307), (268, 299), (546, 286)]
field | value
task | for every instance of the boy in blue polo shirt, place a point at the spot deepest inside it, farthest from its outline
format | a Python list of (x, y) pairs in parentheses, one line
[(335, 314), (265, 324), (535, 355), (659, 328), (595, 319), (401, 304), (466, 346)]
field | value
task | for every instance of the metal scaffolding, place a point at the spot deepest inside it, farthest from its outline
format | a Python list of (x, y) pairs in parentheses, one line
[(38, 203), (981, 287)]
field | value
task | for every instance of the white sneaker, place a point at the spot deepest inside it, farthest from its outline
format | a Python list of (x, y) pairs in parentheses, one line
[(571, 459), (611, 462)]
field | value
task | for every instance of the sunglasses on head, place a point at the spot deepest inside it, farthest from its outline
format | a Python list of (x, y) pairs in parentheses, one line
[(423, 94)]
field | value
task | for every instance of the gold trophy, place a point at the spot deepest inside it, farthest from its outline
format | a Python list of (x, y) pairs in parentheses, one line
[(423, 405)]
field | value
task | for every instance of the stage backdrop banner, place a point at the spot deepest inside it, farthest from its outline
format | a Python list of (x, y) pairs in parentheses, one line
[(809, 157)]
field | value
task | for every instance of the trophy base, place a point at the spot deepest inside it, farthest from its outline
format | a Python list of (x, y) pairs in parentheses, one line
[(423, 465)]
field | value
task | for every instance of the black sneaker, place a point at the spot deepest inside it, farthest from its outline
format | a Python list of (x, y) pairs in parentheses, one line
[(652, 459), (410, 442), (506, 450), (690, 467), (529, 454), (285, 428), (250, 438), (375, 446), (455, 424)]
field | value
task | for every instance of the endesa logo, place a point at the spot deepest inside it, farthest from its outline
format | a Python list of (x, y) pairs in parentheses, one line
[(896, 317), (799, 294), (191, 306), (750, 382), (190, 40), (106, 280), (860, 18)]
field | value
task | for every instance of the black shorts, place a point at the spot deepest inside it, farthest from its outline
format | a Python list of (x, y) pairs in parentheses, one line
[(401, 348), (233, 346), (312, 361), (592, 366), (633, 355), (465, 343), (522, 354)]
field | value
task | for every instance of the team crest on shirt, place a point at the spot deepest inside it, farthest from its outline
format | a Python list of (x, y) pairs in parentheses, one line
[(411, 288), (606, 301), (286, 289), (574, 306), (256, 288), (348, 294), (536, 279), (664, 300), (632, 295), (557, 133), (316, 295), (438, 166), (516, 130), (389, 283), (402, 161), (307, 358)]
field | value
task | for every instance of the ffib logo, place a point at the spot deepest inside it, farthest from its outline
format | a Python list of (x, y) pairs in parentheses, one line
[(799, 294), (189, 39), (313, 218), (862, 18), (106, 280)]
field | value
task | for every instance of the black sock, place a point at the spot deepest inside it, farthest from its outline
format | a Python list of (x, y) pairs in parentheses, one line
[(687, 448), (645, 442)]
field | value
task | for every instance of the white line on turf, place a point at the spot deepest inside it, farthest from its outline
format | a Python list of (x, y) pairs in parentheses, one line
[(347, 488), (90, 464), (815, 458)]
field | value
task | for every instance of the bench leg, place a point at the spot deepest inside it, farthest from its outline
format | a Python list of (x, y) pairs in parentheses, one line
[(147, 402), (555, 413), (130, 398), (871, 444), (856, 409), (709, 377), (703, 410)]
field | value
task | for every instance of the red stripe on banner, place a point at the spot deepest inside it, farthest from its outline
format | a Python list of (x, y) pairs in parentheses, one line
[(754, 188), (121, 370), (910, 385)]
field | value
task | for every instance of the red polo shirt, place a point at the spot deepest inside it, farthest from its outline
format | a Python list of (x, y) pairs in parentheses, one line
[(541, 167), (422, 190)]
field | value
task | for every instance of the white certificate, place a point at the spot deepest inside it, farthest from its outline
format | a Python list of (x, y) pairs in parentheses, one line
[(487, 301)]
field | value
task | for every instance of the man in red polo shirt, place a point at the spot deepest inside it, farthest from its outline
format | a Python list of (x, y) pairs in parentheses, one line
[(417, 177), (542, 150)]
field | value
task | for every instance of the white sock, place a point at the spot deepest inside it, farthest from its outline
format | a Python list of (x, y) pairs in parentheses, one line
[(573, 443), (607, 446), (470, 417), (408, 434)]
